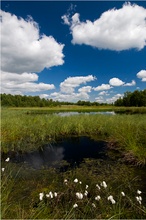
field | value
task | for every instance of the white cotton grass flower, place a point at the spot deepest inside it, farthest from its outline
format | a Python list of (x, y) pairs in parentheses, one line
[(113, 201), (104, 184), (86, 193), (75, 205), (76, 180), (8, 159), (94, 206), (3, 169), (98, 186), (139, 199), (110, 198), (139, 192), (79, 195), (50, 195), (41, 196), (80, 182), (66, 181), (97, 198), (55, 194), (123, 194), (87, 186)]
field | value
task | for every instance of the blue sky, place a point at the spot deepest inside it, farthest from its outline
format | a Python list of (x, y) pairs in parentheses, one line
[(73, 50)]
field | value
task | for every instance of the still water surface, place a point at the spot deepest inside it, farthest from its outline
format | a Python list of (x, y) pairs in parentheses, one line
[(71, 149), (62, 114)]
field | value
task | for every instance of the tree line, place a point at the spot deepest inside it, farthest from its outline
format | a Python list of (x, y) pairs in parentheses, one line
[(136, 98), (26, 101), (35, 101)]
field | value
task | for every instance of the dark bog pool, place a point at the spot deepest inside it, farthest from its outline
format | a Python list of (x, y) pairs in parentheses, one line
[(69, 153), (71, 149)]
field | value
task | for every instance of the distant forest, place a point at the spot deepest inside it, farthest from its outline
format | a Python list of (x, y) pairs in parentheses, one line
[(136, 98)]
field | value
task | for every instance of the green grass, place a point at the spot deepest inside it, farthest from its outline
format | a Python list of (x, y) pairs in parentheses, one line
[(21, 131)]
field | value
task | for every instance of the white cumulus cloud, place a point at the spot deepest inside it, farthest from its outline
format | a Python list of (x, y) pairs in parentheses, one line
[(116, 29), (13, 83), (44, 96), (142, 75), (114, 98), (102, 87), (23, 49), (7, 77), (85, 89), (23, 52), (100, 99), (116, 82), (73, 97), (103, 93), (133, 83), (69, 84)]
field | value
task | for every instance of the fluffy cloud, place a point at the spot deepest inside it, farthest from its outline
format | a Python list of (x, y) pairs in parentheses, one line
[(85, 89), (14, 83), (116, 29), (142, 75), (22, 47), (24, 52), (114, 98), (44, 96), (133, 83), (74, 97), (104, 93), (7, 77), (66, 19), (67, 89), (102, 87), (116, 82), (100, 99), (69, 84)]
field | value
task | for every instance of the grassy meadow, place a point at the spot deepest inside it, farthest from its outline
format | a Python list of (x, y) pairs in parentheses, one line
[(106, 192)]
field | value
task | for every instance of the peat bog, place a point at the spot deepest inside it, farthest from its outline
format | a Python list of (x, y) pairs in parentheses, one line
[(73, 167)]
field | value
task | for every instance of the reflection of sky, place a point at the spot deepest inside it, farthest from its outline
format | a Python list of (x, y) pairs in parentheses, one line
[(106, 113), (73, 150), (44, 157), (62, 114)]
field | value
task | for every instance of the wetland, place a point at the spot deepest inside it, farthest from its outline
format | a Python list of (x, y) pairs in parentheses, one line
[(57, 167)]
